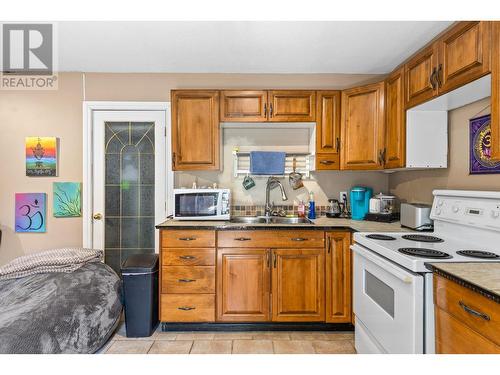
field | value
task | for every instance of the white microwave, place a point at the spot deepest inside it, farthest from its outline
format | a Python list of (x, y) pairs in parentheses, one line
[(202, 204)]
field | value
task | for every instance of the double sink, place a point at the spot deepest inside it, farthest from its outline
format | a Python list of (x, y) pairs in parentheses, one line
[(270, 220)]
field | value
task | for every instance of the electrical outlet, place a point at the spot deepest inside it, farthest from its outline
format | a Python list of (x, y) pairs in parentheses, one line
[(343, 196)]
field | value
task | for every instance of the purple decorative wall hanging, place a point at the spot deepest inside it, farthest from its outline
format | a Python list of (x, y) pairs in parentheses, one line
[(479, 147)]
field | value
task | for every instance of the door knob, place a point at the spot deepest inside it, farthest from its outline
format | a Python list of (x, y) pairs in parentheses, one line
[(97, 216)]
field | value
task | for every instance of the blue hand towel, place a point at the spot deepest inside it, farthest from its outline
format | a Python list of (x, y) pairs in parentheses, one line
[(265, 162)]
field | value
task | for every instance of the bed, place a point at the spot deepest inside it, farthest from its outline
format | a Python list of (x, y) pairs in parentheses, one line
[(73, 312)]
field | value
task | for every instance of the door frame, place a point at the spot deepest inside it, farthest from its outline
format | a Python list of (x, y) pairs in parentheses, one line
[(89, 108)]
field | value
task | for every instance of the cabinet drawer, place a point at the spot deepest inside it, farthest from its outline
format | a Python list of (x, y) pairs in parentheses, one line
[(462, 303), (188, 257), (188, 238), (188, 279), (187, 307), (271, 239), (327, 161)]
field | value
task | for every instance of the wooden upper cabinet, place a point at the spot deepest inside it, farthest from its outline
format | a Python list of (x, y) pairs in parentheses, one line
[(327, 129), (464, 54), (362, 127), (298, 291), (495, 90), (195, 130), (395, 121), (292, 105), (338, 278), (243, 106), (243, 285), (420, 76)]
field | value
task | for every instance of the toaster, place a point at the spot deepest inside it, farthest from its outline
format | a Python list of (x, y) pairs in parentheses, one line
[(416, 216)]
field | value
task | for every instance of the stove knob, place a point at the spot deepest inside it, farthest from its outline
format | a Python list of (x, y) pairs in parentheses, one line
[(455, 209), (440, 202), (495, 214)]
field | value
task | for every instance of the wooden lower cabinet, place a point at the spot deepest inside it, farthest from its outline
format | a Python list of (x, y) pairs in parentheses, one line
[(243, 285), (298, 292), (338, 278), (187, 307)]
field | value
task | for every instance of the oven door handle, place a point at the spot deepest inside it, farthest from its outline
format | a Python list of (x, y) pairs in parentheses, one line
[(392, 269)]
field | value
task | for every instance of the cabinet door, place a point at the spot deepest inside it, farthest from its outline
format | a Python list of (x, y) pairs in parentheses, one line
[(298, 292), (292, 105), (363, 127), (395, 121), (243, 277), (464, 54), (195, 130), (338, 278), (327, 129), (495, 90), (420, 76), (243, 106)]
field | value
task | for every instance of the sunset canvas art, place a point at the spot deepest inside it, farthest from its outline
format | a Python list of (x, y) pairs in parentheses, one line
[(41, 156)]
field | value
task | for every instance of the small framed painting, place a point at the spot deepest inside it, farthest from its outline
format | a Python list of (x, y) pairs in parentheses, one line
[(41, 156), (30, 212), (479, 148), (67, 199)]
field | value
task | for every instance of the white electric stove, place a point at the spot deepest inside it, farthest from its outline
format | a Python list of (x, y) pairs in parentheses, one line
[(393, 300)]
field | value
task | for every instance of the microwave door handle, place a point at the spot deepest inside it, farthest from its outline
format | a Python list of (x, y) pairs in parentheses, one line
[(393, 270)]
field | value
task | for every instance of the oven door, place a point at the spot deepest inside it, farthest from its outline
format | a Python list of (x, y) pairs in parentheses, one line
[(389, 303), (197, 205)]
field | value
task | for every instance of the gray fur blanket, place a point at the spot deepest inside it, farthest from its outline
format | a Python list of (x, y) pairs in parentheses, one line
[(60, 312)]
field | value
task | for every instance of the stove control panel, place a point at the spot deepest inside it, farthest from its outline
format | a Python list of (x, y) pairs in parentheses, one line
[(470, 211)]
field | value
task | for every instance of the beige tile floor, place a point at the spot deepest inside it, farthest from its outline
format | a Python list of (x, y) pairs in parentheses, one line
[(232, 343)]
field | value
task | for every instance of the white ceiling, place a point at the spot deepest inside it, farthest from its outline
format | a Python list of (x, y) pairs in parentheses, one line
[(354, 47)]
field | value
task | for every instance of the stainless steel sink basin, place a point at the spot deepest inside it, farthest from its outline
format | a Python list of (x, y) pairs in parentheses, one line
[(270, 220)]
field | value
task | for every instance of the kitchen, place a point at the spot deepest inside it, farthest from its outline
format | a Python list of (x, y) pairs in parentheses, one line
[(299, 204)]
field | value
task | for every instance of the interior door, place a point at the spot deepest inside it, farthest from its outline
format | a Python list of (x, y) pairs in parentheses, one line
[(298, 292), (243, 285), (128, 182)]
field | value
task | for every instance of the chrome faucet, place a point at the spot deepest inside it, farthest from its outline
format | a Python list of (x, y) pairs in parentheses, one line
[(273, 182)]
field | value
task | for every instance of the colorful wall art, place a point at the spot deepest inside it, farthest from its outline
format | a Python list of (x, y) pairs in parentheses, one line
[(479, 149), (41, 156), (67, 199), (30, 212)]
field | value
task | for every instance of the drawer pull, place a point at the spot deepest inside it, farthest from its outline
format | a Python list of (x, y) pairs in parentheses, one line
[(479, 314), (242, 239), (186, 308), (187, 238), (327, 162), (186, 280), (299, 239), (187, 257)]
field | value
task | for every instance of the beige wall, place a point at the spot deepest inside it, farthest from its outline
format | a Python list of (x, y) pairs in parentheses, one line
[(59, 113), (417, 186)]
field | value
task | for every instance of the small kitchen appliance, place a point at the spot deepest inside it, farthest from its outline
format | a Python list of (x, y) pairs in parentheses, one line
[(383, 208), (392, 282), (416, 216), (202, 204), (360, 201), (334, 209)]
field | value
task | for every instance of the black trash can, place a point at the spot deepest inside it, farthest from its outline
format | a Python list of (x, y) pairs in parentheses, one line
[(140, 289)]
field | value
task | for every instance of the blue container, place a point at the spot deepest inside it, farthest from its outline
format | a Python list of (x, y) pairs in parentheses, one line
[(360, 201)]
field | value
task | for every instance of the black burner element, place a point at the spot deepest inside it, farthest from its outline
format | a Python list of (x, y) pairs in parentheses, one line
[(421, 238), (478, 254), (383, 237), (424, 253)]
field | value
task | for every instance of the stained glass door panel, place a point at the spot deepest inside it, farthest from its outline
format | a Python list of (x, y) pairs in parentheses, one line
[(129, 190)]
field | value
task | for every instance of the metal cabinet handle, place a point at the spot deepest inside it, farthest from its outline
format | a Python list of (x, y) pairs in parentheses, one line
[(275, 259), (186, 280), (186, 308), (271, 110), (299, 239), (438, 75), (268, 259), (338, 144), (187, 257), (471, 311), (327, 162), (432, 78), (187, 238), (265, 109), (328, 244), (242, 239)]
